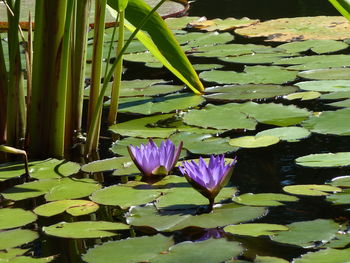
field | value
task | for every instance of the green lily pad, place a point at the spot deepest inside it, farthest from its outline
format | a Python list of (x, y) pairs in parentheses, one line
[(44, 169), (84, 229), (251, 75), (261, 259), (311, 189), (319, 46), (289, 134), (308, 95), (16, 237), (166, 104), (209, 251), (218, 24), (328, 255), (254, 141), (341, 181), (268, 199), (144, 57), (257, 58), (255, 230), (125, 196), (341, 104), (289, 29), (201, 67), (336, 95), (133, 250), (325, 85), (325, 160), (15, 217), (330, 122), (308, 233), (340, 198), (24, 259), (73, 207), (11, 253), (170, 221), (341, 240), (196, 39), (247, 92), (326, 74)]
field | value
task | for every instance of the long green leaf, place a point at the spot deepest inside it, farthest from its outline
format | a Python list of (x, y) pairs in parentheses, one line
[(3, 95), (343, 6), (164, 40)]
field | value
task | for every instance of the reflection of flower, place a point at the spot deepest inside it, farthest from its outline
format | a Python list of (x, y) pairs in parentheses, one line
[(211, 233), (152, 160), (208, 179)]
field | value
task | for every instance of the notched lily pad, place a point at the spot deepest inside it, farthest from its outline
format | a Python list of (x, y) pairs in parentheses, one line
[(289, 134), (254, 141), (268, 199), (325, 85), (16, 237), (325, 160), (318, 46), (311, 189), (331, 255), (218, 24), (342, 198), (308, 95), (255, 230), (72, 207), (326, 74), (15, 217)]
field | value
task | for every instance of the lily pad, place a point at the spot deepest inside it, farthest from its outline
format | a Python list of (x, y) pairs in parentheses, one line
[(308, 95), (16, 237), (326, 74), (143, 57), (247, 92), (25, 259), (336, 95), (201, 67), (218, 24), (251, 75), (11, 253), (170, 221), (328, 255), (342, 198), (308, 233), (330, 122), (44, 169), (72, 207), (133, 250), (341, 181), (197, 39), (257, 58), (84, 229), (325, 85), (289, 134), (261, 259), (318, 46), (299, 28), (325, 160), (255, 230), (268, 199), (341, 104), (254, 141), (311, 189), (15, 217), (209, 251)]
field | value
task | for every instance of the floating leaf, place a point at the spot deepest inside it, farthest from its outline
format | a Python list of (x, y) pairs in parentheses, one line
[(324, 74), (254, 141), (107, 164), (318, 46), (24, 259), (16, 237), (289, 134), (336, 95), (261, 259), (330, 255), (308, 233), (11, 253), (341, 181), (73, 207), (255, 230), (257, 58), (290, 29), (251, 75), (201, 67), (325, 85), (341, 240), (133, 250), (268, 199), (342, 198), (15, 217), (247, 92), (170, 221), (221, 24), (84, 229), (197, 39), (209, 251), (311, 189), (325, 160), (309, 95)]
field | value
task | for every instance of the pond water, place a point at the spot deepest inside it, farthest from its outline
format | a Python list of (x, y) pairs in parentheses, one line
[(258, 170)]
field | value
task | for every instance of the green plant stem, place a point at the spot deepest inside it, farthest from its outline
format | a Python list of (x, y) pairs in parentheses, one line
[(113, 110), (3, 95), (97, 111)]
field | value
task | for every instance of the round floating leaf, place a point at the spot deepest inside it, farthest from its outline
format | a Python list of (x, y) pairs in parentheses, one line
[(255, 230), (341, 240), (16, 237), (325, 256), (308, 233), (84, 229), (133, 250), (254, 141), (24, 259), (107, 164), (289, 134), (15, 217), (311, 189), (252, 75), (289, 29), (11, 253), (325, 85), (145, 57), (171, 220), (261, 259), (73, 207), (336, 95), (247, 92), (257, 58), (269, 199), (324, 74), (125, 196), (209, 251), (196, 39), (201, 67), (148, 106), (340, 198), (341, 104), (221, 24), (194, 143), (44, 169), (308, 95), (341, 181), (325, 160), (314, 62), (330, 122), (318, 46)]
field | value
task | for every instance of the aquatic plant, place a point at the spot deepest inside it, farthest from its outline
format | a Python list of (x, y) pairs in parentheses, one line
[(208, 179), (155, 162)]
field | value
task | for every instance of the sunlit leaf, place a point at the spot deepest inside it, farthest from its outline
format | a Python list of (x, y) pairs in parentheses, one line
[(268, 199), (16, 237), (73, 207), (15, 217), (255, 230), (311, 189), (254, 141), (325, 160)]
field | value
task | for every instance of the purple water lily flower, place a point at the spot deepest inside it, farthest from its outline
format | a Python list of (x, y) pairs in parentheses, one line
[(154, 161), (208, 179)]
